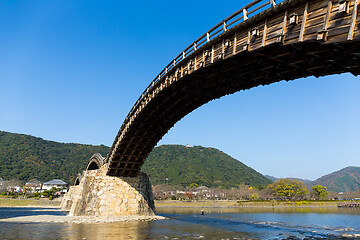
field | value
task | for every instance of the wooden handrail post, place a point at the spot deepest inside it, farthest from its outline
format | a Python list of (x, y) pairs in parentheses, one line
[(245, 14), (224, 26)]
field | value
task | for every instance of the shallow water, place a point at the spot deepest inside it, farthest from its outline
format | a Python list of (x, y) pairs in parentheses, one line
[(188, 223)]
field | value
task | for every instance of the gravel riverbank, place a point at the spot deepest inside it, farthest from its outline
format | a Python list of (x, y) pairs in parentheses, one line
[(42, 214)]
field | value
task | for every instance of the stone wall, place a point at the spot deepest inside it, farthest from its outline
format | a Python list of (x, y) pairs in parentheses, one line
[(102, 195), (68, 198)]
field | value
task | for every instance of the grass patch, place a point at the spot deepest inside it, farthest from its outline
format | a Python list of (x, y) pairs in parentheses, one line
[(9, 202)]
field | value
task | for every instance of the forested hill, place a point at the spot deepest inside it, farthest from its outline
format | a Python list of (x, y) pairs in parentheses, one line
[(344, 180), (204, 166), (25, 157)]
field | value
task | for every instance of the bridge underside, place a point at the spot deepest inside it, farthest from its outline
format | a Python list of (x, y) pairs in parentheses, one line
[(294, 39), (243, 71)]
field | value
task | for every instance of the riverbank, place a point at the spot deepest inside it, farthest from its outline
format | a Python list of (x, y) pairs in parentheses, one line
[(53, 214), (244, 204), (46, 211), (9, 202)]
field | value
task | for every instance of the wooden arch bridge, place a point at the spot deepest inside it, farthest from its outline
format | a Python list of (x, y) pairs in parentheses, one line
[(262, 43)]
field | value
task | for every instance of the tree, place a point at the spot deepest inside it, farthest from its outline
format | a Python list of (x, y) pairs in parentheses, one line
[(254, 196), (319, 192), (288, 188), (194, 185), (10, 185), (189, 195)]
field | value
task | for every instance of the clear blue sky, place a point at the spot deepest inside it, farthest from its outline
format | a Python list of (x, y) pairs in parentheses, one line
[(71, 70)]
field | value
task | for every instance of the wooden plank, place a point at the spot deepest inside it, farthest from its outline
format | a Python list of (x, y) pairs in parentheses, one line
[(208, 57), (275, 28), (228, 51), (274, 34), (335, 9), (317, 13), (212, 53), (281, 36), (316, 21), (271, 41), (217, 52), (301, 35), (291, 41), (313, 29), (234, 44), (275, 21), (338, 37), (338, 31), (298, 10), (293, 31), (356, 34), (335, 12), (353, 20), (264, 33), (339, 22), (248, 40), (292, 35), (241, 40), (320, 5), (327, 16), (309, 37), (255, 41)]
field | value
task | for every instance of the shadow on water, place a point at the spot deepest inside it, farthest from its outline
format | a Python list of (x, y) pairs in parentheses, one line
[(11, 212)]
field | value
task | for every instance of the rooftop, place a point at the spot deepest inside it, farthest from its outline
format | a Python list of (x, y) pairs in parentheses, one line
[(56, 182)]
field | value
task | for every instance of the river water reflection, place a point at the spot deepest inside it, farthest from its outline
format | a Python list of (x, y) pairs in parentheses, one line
[(217, 223)]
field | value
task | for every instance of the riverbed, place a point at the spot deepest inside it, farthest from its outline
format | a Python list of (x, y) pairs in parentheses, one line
[(188, 223)]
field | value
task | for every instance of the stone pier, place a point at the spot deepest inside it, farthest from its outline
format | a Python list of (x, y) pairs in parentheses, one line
[(100, 195)]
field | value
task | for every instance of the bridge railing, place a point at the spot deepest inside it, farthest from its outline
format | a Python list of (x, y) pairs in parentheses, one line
[(239, 16)]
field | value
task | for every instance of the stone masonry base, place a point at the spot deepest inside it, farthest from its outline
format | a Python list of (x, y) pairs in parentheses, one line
[(102, 195)]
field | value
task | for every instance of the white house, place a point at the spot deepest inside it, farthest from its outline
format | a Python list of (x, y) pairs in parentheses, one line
[(54, 183)]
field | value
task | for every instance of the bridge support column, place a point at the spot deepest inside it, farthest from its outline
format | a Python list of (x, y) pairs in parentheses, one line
[(102, 195)]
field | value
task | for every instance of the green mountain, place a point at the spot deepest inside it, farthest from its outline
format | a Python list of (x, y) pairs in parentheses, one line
[(25, 157), (205, 166), (344, 180)]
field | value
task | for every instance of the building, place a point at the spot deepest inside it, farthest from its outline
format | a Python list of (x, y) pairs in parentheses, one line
[(33, 185), (54, 183)]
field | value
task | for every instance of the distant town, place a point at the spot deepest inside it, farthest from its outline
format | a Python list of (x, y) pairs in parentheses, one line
[(282, 189), (33, 188)]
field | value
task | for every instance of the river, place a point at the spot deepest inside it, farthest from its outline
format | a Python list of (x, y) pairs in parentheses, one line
[(188, 223)]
